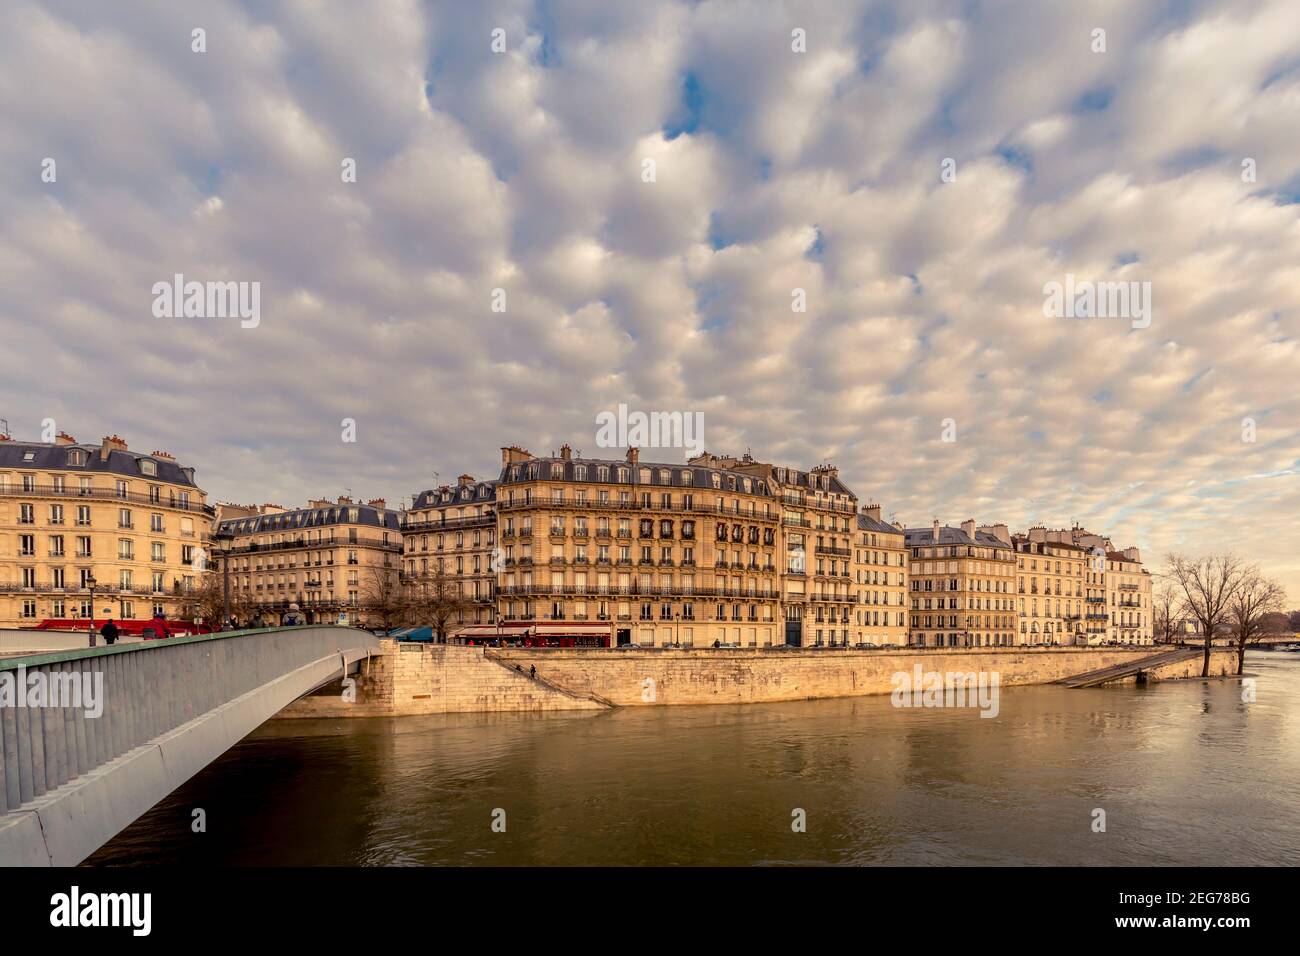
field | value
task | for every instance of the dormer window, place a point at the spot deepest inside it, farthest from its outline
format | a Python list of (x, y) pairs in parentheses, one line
[(148, 467), (76, 457), (29, 456), (580, 472), (557, 470)]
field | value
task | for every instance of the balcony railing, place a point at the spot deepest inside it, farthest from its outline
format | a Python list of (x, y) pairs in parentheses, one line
[(450, 524), (104, 494)]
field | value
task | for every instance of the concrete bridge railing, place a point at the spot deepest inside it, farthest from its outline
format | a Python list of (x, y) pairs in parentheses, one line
[(91, 739)]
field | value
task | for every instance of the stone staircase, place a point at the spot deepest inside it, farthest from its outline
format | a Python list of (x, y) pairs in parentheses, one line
[(1128, 669)]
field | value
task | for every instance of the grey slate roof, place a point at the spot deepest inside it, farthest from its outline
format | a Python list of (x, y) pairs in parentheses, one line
[(868, 523), (126, 464), (700, 474), (301, 519), (922, 537), (477, 492)]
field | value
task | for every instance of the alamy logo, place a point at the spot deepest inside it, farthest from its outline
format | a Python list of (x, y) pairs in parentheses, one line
[(39, 688), (1098, 300), (208, 300), (921, 688), (635, 429), (134, 910)]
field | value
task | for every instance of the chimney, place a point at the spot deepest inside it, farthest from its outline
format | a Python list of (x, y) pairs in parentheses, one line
[(633, 455), (1038, 534), (63, 438), (999, 531), (463, 480), (968, 528), (566, 453), (319, 503), (111, 444), (377, 503), (936, 529), (344, 500), (513, 453), (162, 454), (1133, 554), (872, 511)]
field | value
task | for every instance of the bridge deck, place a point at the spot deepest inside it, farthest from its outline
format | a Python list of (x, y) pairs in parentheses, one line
[(115, 729)]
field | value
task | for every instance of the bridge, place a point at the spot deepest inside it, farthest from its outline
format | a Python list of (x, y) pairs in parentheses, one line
[(91, 739), (1130, 668)]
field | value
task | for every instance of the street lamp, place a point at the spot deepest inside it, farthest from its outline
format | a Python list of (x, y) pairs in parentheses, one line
[(90, 583), (224, 537)]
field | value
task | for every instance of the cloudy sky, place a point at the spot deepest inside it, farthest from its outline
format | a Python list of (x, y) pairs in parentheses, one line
[(1170, 158)]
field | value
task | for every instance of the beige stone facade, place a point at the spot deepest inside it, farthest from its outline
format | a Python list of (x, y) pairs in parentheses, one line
[(331, 559), (1116, 587), (453, 528), (631, 552), (963, 583), (1050, 576), (137, 524), (880, 573), (1128, 599)]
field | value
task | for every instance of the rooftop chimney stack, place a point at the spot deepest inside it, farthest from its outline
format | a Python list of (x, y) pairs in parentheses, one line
[(463, 480), (111, 444), (633, 455), (968, 528), (936, 529), (872, 511), (510, 454), (63, 438), (566, 453), (379, 503)]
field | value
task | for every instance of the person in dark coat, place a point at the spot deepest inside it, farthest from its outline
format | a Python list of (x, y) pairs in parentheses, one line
[(109, 632)]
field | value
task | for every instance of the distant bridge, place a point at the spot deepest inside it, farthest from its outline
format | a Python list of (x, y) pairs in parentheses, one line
[(1130, 668), (70, 780)]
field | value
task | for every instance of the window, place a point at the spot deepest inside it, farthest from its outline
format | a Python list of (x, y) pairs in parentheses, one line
[(148, 467)]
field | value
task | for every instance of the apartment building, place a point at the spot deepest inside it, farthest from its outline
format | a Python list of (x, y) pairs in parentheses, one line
[(625, 552), (880, 567), (818, 517), (1117, 589), (1050, 589), (963, 583), (451, 530), (333, 559), (1130, 619), (75, 516)]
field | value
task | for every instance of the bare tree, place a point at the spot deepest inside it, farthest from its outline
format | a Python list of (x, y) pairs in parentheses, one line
[(434, 599), (1255, 597), (1208, 585), (1166, 610), (386, 598), (207, 602)]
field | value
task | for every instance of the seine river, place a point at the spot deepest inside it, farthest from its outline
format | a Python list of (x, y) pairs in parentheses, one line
[(1186, 774)]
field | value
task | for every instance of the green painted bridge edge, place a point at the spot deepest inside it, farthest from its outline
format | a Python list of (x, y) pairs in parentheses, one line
[(37, 660)]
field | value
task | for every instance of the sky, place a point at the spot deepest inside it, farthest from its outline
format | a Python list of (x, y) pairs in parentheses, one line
[(922, 171)]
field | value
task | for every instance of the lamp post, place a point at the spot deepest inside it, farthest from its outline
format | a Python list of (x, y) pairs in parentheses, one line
[(90, 583)]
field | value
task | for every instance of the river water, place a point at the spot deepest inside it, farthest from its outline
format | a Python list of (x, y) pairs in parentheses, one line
[(1186, 773)]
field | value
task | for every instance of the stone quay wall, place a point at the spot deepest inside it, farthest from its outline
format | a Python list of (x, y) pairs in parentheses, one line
[(411, 678)]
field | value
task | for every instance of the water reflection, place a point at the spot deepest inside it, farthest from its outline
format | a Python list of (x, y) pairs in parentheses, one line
[(1186, 772)]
